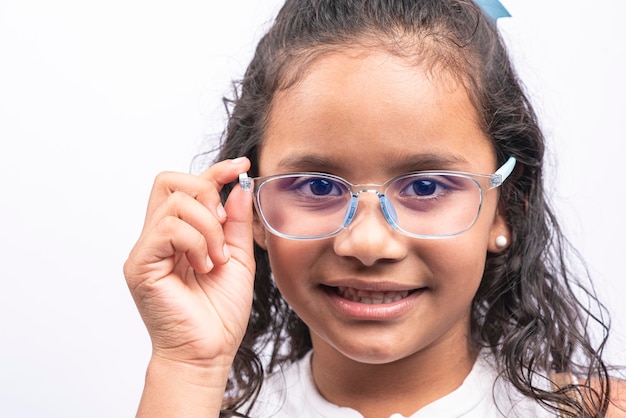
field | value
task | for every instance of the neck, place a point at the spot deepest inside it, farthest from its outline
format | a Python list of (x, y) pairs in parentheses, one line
[(403, 386)]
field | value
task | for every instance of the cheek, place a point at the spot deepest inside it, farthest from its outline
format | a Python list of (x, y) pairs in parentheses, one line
[(295, 266), (289, 260), (457, 263)]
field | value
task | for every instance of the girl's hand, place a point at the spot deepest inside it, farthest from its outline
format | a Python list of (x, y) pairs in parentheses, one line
[(191, 272)]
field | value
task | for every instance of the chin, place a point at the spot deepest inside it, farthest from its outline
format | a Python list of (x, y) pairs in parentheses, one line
[(382, 351)]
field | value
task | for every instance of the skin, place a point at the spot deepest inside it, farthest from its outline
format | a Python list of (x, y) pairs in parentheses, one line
[(368, 116)]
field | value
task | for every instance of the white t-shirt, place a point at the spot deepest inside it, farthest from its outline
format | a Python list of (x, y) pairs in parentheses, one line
[(292, 394)]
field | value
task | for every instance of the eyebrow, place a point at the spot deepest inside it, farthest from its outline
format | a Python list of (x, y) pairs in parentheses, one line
[(408, 163), (308, 163), (428, 161)]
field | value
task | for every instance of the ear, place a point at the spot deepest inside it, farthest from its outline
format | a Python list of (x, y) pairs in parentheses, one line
[(499, 228), (259, 232)]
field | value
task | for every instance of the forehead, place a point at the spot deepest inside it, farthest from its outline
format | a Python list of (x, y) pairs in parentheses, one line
[(371, 109)]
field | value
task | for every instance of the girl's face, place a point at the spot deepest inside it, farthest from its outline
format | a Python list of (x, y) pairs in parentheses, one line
[(368, 116)]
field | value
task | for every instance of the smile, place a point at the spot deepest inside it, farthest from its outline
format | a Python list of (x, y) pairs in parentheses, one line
[(372, 304), (369, 297)]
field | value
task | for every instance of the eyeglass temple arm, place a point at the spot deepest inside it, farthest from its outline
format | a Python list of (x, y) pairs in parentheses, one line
[(503, 172)]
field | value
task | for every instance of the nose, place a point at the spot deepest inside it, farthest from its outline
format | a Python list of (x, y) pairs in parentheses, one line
[(369, 236)]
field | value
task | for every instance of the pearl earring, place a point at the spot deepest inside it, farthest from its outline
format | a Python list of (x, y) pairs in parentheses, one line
[(501, 241)]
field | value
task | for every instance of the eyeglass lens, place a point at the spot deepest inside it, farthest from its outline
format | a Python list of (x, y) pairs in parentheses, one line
[(424, 204)]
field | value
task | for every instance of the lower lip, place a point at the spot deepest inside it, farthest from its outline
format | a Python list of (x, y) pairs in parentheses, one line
[(374, 312)]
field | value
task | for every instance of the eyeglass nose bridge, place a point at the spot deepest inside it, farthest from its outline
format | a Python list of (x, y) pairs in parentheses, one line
[(385, 205)]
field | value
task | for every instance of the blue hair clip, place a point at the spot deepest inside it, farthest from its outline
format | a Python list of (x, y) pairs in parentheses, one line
[(493, 8)]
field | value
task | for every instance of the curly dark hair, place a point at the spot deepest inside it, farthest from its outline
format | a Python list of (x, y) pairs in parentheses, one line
[(533, 308)]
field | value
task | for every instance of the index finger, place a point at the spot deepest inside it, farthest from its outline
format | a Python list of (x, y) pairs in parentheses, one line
[(204, 187), (225, 171)]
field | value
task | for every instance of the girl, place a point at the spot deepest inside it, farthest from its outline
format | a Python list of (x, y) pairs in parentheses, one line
[(401, 259)]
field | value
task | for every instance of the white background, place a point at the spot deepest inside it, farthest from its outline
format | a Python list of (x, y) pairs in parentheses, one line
[(97, 97)]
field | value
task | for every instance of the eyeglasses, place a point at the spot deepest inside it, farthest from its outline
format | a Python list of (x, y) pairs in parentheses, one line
[(424, 204)]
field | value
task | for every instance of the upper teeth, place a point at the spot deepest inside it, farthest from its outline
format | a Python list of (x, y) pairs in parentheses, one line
[(371, 298)]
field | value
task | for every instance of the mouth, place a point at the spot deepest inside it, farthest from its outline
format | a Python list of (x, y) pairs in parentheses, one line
[(368, 297), (373, 302)]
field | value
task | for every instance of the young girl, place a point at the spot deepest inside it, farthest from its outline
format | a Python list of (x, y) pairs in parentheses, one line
[(401, 258)]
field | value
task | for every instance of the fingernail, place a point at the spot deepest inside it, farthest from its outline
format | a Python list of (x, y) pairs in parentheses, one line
[(226, 252), (238, 160), (209, 263), (221, 213)]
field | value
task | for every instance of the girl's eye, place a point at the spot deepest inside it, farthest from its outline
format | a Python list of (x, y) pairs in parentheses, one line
[(321, 187), (303, 187), (423, 188)]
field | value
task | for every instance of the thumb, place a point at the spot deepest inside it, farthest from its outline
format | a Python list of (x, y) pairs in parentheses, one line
[(238, 225)]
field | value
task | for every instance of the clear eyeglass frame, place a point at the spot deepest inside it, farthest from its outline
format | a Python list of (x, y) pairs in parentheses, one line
[(485, 182)]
